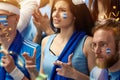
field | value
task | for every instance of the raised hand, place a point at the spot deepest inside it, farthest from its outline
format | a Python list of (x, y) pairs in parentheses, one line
[(30, 61), (42, 22), (7, 61), (31, 64), (66, 68)]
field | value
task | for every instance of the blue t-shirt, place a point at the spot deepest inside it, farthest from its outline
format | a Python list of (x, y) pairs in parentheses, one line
[(97, 72), (79, 60), (18, 46)]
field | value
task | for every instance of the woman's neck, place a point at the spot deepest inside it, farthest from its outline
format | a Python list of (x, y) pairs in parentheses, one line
[(65, 35), (66, 32)]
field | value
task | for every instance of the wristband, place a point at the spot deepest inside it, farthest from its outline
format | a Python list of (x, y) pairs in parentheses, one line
[(41, 77), (17, 74)]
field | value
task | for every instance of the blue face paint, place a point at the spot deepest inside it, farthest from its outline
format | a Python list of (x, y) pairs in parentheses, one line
[(64, 15), (108, 50), (3, 20)]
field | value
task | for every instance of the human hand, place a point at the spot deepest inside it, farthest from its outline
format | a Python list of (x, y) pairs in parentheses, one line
[(66, 69), (30, 61), (42, 22), (7, 61)]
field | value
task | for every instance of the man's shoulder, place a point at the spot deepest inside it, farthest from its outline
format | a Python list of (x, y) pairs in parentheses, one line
[(115, 75)]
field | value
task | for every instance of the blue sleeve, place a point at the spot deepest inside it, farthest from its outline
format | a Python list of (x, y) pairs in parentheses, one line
[(38, 57)]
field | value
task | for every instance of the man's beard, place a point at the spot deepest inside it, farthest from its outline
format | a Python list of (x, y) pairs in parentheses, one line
[(4, 37), (107, 63)]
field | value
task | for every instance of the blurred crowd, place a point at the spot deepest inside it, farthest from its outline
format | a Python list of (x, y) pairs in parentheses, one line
[(59, 39)]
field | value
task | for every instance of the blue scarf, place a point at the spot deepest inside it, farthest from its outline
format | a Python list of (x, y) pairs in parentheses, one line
[(69, 48)]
